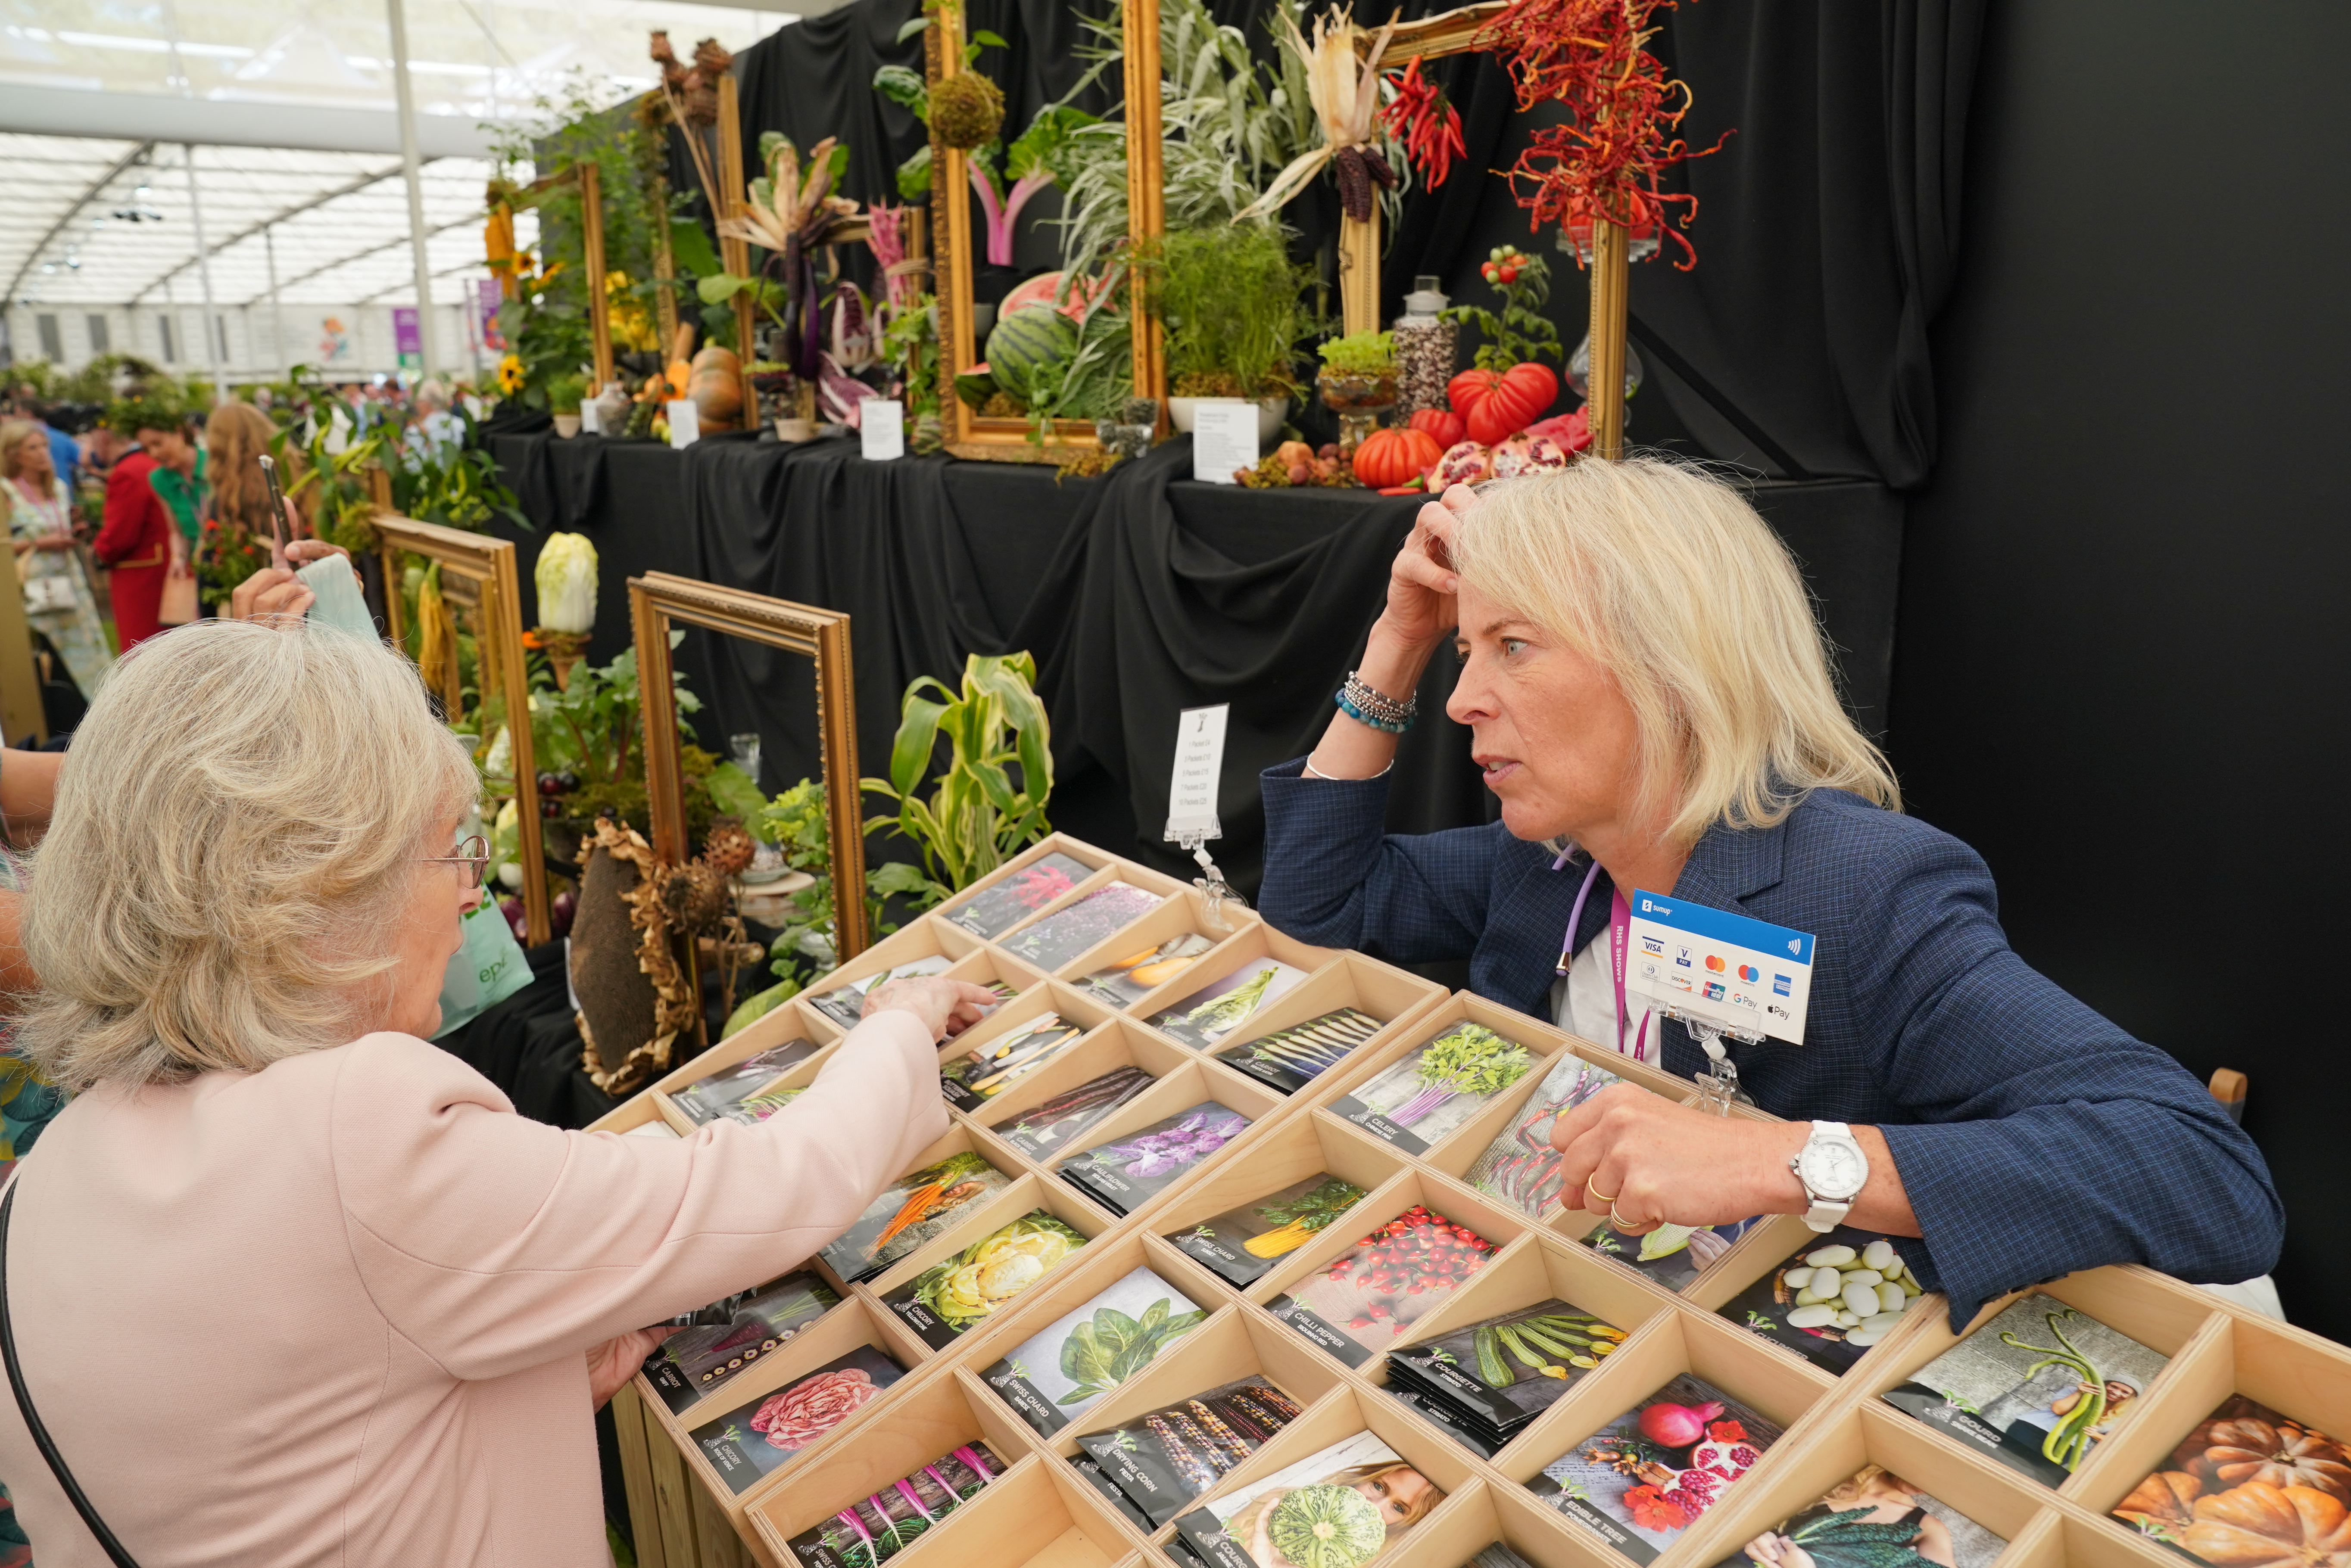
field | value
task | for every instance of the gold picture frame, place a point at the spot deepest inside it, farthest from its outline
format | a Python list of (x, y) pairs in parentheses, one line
[(591, 260)]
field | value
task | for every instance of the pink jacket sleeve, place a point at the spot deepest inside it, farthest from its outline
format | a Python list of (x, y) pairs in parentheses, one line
[(496, 1244)]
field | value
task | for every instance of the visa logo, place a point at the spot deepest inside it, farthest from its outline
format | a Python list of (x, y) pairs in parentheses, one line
[(1653, 945), (1684, 960), (1780, 983)]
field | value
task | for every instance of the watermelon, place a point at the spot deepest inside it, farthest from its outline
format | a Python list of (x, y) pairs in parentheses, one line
[(1327, 1526), (1040, 289), (1031, 343)]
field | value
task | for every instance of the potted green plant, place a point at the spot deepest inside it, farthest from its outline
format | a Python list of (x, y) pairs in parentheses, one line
[(1234, 306), (563, 394), (1358, 381)]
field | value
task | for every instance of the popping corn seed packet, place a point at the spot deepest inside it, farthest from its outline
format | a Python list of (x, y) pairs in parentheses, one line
[(1159, 1462)]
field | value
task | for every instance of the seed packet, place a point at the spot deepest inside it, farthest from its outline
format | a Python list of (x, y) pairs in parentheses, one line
[(1338, 1509), (1808, 1304), (1643, 1479), (1453, 1423), (1203, 1018), (1131, 978), (1497, 1555), (707, 1099), (1290, 1059), (1056, 1374), (2218, 1496), (872, 1530), (1504, 1371), (650, 1129), (753, 1109), (971, 1081), (2036, 1387), (1096, 917), (1157, 1463), (1243, 1243), (912, 1211), (1673, 1255), (1090, 1469), (758, 1438), (1006, 903), (1366, 1299), (1047, 1128), (1874, 1519), (1418, 1102), (960, 1291), (1127, 1172), (732, 1335), (1519, 1167), (845, 1004)]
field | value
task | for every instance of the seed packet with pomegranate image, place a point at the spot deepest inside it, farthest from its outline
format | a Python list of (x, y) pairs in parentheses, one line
[(1646, 1476), (758, 1438), (1366, 1299), (1003, 905), (1874, 1519), (2248, 1484)]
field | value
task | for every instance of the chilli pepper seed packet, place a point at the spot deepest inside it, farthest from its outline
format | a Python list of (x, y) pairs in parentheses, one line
[(1159, 1462), (1057, 1373), (996, 909), (1367, 1298), (2036, 1388), (912, 1211), (1673, 1255), (2249, 1486), (1831, 1299), (707, 1099), (1501, 1373), (1096, 917), (732, 1335), (756, 1439), (1873, 1519), (1243, 1243), (1418, 1102), (970, 1081), (1290, 1059), (1519, 1167), (1204, 1018), (1133, 976), (1341, 1508), (1127, 1172), (874, 1529), (960, 1291), (1646, 1476), (1050, 1127), (845, 1004)]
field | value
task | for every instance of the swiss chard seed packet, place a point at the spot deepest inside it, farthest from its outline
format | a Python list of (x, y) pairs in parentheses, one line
[(1290, 1059), (1131, 977), (1342, 1508), (1205, 1017), (1000, 906), (1048, 1128), (1416, 1103), (960, 1291), (1830, 1299), (1873, 1519), (1506, 1371), (2219, 1496), (1243, 1243), (1158, 1463), (845, 1004), (759, 1437), (914, 1210), (733, 1334), (1519, 1167), (1096, 917), (1057, 1373), (707, 1099), (1126, 1172), (1646, 1476), (872, 1530), (1673, 1255), (970, 1081), (1367, 1297)]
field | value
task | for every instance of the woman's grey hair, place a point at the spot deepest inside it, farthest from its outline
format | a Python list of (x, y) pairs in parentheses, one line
[(234, 835)]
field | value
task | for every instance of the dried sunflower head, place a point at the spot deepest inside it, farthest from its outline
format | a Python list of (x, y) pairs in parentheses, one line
[(727, 848)]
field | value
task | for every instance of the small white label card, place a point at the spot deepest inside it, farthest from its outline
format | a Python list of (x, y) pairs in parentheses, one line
[(1199, 762), (1733, 970), (882, 429), (1224, 437), (592, 418), (684, 422)]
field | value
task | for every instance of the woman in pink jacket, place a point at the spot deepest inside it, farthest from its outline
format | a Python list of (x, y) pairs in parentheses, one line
[(288, 1285)]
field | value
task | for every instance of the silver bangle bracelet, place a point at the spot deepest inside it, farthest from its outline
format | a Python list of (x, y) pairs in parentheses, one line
[(1379, 704)]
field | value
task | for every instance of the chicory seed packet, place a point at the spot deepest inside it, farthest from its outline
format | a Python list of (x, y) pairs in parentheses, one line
[(1643, 1479), (1338, 1509), (1874, 1519), (707, 1099), (2217, 1497), (960, 1291), (1158, 1462), (1204, 1018), (1673, 1255), (1290, 1059), (2036, 1387), (1125, 1173), (912, 1211), (971, 1081), (1000, 906), (758, 1438), (732, 1335), (1096, 917), (1057, 1373), (1367, 1297), (1243, 1243), (1811, 1304), (1048, 1127), (845, 1004), (872, 1530), (1416, 1103), (1506, 1371), (1129, 979), (1519, 1167)]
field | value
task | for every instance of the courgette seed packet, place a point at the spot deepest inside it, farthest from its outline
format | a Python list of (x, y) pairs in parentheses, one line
[(1366, 1299), (872, 1530), (1096, 917), (1342, 1508), (1127, 979), (758, 1438), (997, 908), (1519, 1167), (1204, 1018), (845, 1004), (1127, 1172), (951, 1295), (913, 1210), (732, 1335), (1048, 1127), (1290, 1059), (971, 1081), (1873, 1519), (2218, 1496), (707, 1099), (1646, 1476), (1830, 1299), (1416, 1103), (1059, 1372), (1157, 1463), (1504, 1371), (1242, 1244)]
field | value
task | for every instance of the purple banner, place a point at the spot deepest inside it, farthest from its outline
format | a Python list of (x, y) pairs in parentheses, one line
[(407, 335)]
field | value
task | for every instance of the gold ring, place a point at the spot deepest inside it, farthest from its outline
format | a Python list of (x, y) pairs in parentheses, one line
[(1595, 1193), (1619, 1221)]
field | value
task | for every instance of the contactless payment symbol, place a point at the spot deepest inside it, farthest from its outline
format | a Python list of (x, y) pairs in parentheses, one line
[(1740, 953)]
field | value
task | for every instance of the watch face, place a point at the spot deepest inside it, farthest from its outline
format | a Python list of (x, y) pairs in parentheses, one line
[(1832, 1170)]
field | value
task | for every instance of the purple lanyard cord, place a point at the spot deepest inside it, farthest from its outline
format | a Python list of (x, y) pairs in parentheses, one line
[(1620, 922)]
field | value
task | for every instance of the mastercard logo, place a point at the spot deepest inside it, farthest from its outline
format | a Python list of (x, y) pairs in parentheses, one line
[(1713, 963), (1748, 971)]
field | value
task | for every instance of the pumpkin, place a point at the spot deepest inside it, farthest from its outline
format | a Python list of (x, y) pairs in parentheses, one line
[(715, 382), (2261, 1526), (1515, 400), (1326, 1526), (1389, 457), (2280, 1454), (2165, 1502), (1464, 462), (1445, 427)]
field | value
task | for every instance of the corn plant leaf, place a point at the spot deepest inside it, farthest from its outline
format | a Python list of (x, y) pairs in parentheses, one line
[(919, 719)]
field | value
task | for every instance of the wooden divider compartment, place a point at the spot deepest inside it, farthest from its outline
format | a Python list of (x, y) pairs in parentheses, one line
[(1253, 943), (984, 965), (1030, 1189), (1289, 1151), (1760, 1251), (1394, 998), (1188, 1083), (1483, 1513), (1408, 1188), (1117, 1042), (1038, 1516)]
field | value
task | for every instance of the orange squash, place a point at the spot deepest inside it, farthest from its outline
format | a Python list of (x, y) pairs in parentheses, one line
[(1390, 457), (715, 382)]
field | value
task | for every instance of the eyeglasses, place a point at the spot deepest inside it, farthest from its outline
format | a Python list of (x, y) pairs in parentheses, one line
[(474, 854)]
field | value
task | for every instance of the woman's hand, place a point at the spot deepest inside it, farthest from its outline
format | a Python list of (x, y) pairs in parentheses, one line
[(947, 1007), (612, 1364), (274, 590), (1421, 611)]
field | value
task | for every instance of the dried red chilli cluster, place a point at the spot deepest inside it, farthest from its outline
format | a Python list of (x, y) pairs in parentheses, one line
[(1588, 54), (1429, 127)]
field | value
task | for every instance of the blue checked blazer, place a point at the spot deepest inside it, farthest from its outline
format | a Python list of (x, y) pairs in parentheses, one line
[(2034, 1136)]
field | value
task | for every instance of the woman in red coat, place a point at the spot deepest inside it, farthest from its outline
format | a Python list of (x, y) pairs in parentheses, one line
[(136, 540)]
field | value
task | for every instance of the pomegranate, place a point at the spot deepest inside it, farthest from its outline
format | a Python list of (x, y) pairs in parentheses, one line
[(1678, 1426), (1724, 1462)]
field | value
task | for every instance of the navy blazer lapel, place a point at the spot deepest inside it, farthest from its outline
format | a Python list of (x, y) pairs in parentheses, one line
[(1729, 865)]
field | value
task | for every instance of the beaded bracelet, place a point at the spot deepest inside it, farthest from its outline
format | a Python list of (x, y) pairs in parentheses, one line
[(1360, 703)]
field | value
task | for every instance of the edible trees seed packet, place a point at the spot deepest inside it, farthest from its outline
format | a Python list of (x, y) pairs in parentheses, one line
[(2037, 1388), (1125, 1173), (1338, 1509), (709, 1099), (845, 1004), (1204, 1018), (1242, 1243), (1056, 1374), (1519, 1167), (1096, 917), (1129, 979), (757, 1437), (994, 910), (1418, 1102), (971, 1081), (961, 1289), (1048, 1127), (1365, 1300), (912, 1211), (1504, 1371), (1673, 1255), (1830, 1299), (872, 1530), (1874, 1519), (732, 1335), (2247, 1486), (1646, 1476), (1290, 1059), (1158, 1463)]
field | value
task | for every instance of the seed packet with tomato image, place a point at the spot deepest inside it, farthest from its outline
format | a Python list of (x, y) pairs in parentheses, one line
[(758, 1438), (1365, 1300), (2226, 1495), (1878, 1518), (1001, 906), (1646, 1476)]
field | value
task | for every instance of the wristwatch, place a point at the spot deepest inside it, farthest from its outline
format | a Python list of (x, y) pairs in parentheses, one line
[(1832, 1169)]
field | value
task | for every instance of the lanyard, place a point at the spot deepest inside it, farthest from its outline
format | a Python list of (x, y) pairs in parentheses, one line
[(1620, 923)]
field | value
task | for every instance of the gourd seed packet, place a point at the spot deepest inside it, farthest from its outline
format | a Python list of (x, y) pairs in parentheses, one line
[(1874, 1519), (1242, 1244), (1830, 1299), (966, 1287), (1205, 1017), (1157, 1463), (912, 1211), (1127, 979), (1342, 1508), (845, 1004), (1290, 1059), (1502, 1373), (758, 1438), (1004, 905), (1096, 917), (1673, 1255), (1125, 1173), (732, 1335), (970, 1081), (1646, 1476), (2036, 1388), (1058, 1374), (873, 1530), (1367, 1297), (707, 1099), (1519, 1167), (2217, 1497), (1416, 1103), (1052, 1126)]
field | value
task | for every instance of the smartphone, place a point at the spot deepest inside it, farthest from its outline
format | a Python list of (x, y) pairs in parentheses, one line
[(276, 513)]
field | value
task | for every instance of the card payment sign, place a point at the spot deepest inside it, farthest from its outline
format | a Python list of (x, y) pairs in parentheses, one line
[(1744, 974)]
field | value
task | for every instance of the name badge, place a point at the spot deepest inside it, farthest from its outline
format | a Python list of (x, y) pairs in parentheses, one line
[(1743, 974)]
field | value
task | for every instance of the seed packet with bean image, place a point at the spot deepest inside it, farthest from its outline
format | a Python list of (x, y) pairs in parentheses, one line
[(1128, 980), (1519, 1167), (2036, 1387), (759, 1437), (1157, 1463), (1048, 1127), (1059, 1372), (1874, 1519), (913, 1210), (845, 1004), (997, 908), (872, 1530), (2228, 1493), (961, 1289), (1342, 1508), (1096, 917), (1290, 1059), (1830, 1299), (1366, 1299), (1646, 1476), (732, 1335), (1243, 1243), (1673, 1255), (1206, 1016), (1504, 1371), (1127, 1172), (970, 1081), (1418, 1102), (707, 1099)]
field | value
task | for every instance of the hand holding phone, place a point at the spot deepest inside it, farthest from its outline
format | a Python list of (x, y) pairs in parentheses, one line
[(276, 513)]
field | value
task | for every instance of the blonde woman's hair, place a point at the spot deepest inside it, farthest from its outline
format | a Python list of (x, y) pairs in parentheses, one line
[(232, 841), (235, 436), (1665, 578), (13, 435)]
